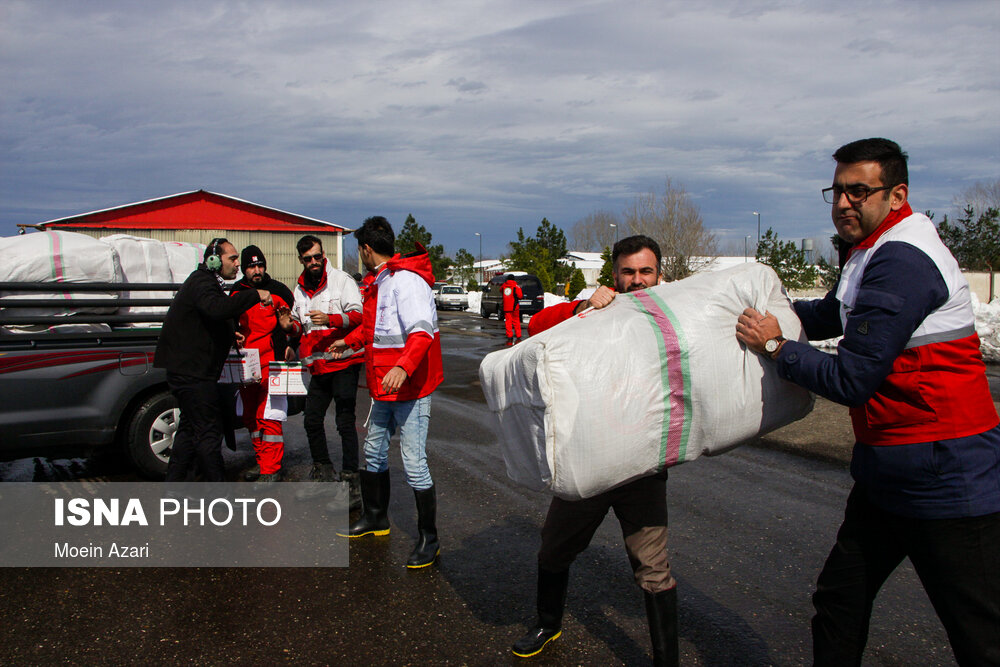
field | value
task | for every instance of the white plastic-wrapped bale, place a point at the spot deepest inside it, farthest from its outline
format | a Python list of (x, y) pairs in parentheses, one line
[(142, 260), (655, 379), (184, 258), (59, 257)]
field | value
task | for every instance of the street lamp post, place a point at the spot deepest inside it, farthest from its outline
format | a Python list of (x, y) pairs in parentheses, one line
[(758, 225), (480, 259), (611, 224)]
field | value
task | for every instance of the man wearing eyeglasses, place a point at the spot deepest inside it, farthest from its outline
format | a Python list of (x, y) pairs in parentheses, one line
[(328, 307), (926, 463)]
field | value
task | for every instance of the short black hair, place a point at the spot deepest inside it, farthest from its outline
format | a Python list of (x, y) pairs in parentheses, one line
[(633, 244), (888, 154), (305, 243), (377, 234), (214, 247)]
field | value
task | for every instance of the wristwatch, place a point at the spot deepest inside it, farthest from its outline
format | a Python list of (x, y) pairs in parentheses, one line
[(773, 345)]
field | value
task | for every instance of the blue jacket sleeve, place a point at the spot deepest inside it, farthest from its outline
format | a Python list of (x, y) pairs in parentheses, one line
[(899, 288), (820, 317)]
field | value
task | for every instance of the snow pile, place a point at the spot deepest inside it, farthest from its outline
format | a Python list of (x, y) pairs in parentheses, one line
[(475, 300), (988, 327)]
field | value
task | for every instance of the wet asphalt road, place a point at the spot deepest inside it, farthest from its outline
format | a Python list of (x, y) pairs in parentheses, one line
[(748, 534)]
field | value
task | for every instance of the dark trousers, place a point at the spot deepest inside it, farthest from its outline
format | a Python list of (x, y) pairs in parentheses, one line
[(641, 509), (198, 440), (340, 387), (957, 560)]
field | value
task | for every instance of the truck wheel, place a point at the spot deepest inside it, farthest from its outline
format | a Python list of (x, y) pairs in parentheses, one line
[(151, 435), (482, 311)]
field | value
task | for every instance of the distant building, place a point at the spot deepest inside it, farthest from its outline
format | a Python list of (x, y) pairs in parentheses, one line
[(200, 216), (590, 263)]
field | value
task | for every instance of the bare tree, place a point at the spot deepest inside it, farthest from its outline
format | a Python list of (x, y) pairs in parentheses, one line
[(673, 221), (595, 231), (981, 196)]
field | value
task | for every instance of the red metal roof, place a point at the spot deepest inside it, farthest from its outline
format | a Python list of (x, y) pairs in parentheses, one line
[(196, 210)]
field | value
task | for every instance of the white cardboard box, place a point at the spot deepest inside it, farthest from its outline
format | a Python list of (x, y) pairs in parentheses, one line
[(287, 378), (241, 367)]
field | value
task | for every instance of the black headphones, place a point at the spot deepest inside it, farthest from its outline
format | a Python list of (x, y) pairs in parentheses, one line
[(213, 259)]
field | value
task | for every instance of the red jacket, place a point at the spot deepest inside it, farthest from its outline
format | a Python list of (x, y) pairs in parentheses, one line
[(257, 324), (511, 293), (551, 316), (399, 327)]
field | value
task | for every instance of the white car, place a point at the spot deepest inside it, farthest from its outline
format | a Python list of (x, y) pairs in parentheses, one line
[(451, 296)]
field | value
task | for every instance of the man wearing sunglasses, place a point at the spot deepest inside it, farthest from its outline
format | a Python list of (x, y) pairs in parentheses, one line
[(328, 307), (926, 464)]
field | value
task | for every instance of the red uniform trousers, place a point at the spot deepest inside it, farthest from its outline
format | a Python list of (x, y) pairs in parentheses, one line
[(265, 434), (512, 321)]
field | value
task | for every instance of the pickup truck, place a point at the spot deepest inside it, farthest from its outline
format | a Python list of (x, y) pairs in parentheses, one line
[(72, 392)]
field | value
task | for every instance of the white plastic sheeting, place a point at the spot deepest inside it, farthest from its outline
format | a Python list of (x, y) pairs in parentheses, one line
[(58, 257), (70, 257), (655, 379), (142, 261)]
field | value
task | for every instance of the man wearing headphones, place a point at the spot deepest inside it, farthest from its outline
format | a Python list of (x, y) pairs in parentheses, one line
[(197, 333)]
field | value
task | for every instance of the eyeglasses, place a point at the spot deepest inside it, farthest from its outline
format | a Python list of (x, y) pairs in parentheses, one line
[(856, 194), (309, 259)]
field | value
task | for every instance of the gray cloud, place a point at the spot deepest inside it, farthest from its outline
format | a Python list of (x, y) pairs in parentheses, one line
[(487, 115)]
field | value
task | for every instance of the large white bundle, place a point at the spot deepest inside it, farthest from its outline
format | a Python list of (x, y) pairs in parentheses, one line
[(184, 258), (58, 257), (143, 261), (655, 379)]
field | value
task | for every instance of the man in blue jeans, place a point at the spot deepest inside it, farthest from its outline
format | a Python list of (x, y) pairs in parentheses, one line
[(402, 345)]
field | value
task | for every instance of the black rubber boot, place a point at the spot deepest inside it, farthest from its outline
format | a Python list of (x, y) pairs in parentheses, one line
[(551, 601), (375, 499), (661, 610), (427, 548)]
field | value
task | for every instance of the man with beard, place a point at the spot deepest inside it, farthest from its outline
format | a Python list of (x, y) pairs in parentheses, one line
[(264, 329), (194, 342), (328, 307), (640, 505)]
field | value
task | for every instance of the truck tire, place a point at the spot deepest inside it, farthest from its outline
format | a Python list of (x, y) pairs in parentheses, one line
[(482, 311), (151, 435)]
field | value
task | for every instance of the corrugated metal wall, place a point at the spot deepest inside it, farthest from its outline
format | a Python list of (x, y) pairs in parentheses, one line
[(279, 247)]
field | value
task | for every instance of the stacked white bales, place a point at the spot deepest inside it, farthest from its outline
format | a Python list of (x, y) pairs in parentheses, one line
[(70, 257)]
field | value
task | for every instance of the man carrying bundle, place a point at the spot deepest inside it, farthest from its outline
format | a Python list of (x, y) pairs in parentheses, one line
[(640, 505)]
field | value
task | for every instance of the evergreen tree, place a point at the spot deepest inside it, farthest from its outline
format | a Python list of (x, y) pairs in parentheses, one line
[(413, 233), (975, 242), (535, 254), (607, 277), (577, 283), (829, 273), (464, 269), (787, 260)]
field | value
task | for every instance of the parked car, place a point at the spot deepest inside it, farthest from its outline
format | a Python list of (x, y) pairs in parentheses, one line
[(532, 301), (73, 392), (451, 297)]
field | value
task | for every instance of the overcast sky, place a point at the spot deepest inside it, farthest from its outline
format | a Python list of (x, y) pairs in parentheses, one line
[(487, 116)]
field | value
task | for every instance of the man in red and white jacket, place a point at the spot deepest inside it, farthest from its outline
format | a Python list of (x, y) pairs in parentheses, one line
[(327, 307), (403, 367), (264, 328), (926, 464)]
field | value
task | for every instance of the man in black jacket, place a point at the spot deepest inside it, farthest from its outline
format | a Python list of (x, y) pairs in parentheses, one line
[(194, 342)]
